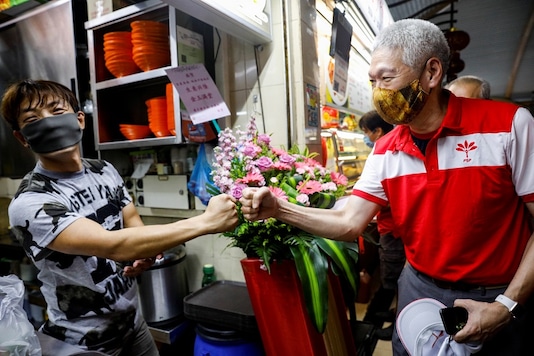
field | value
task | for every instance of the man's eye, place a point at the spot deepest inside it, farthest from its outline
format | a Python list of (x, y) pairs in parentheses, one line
[(29, 120)]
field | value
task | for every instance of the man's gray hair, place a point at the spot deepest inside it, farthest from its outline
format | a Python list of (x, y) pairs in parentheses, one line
[(483, 85), (417, 39)]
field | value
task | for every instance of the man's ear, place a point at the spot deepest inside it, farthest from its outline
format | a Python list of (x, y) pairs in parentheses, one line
[(434, 70), (380, 132), (21, 138), (81, 119)]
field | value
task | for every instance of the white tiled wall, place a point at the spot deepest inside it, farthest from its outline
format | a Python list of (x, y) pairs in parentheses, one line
[(213, 249), (260, 89)]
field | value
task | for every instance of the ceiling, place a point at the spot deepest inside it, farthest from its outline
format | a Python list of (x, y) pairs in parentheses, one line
[(501, 47)]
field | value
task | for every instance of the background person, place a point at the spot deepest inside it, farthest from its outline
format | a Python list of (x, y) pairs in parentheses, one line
[(470, 86), (458, 175), (74, 219), (391, 249)]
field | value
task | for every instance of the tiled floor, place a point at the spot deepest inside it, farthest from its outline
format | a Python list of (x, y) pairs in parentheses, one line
[(383, 348)]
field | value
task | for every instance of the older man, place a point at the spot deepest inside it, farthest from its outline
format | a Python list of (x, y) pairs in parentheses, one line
[(459, 177), (470, 86)]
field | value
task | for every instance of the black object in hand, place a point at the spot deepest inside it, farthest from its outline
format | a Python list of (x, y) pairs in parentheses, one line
[(454, 319)]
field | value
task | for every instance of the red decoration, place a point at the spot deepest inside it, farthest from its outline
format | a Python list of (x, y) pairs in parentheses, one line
[(281, 315)]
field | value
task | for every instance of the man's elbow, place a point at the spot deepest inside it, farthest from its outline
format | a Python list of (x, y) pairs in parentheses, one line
[(350, 234)]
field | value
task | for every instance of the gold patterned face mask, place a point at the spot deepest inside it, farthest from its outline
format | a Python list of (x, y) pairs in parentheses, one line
[(400, 106)]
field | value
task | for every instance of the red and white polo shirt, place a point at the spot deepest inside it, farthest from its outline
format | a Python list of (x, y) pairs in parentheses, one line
[(460, 208)]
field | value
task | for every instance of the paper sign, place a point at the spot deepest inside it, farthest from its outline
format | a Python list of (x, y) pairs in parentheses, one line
[(198, 92)]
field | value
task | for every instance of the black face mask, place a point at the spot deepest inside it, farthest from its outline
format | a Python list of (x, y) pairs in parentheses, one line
[(53, 133)]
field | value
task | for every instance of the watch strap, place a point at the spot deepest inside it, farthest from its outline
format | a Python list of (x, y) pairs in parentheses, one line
[(513, 307)]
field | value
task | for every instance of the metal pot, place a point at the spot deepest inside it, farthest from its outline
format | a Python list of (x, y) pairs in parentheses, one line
[(163, 287)]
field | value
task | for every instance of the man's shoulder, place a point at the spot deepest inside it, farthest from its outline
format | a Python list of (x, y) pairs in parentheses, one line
[(96, 165), (488, 106), (482, 115), (35, 182), (390, 140)]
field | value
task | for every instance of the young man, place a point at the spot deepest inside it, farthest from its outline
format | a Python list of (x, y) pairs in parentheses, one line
[(458, 175), (75, 219)]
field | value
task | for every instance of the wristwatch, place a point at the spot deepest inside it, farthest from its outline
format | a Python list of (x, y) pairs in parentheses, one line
[(515, 309)]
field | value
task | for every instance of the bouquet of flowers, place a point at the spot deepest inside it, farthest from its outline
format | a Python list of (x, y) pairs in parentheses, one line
[(249, 160)]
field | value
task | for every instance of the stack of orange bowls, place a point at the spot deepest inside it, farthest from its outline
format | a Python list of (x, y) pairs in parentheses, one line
[(170, 109), (134, 132), (118, 53), (157, 116), (150, 40)]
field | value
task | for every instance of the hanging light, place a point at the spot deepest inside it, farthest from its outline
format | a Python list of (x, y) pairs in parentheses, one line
[(457, 40)]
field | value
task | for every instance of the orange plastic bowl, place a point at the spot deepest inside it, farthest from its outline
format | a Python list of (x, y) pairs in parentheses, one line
[(135, 132)]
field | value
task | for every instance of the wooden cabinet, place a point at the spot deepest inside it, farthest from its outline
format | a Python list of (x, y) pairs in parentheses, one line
[(122, 100)]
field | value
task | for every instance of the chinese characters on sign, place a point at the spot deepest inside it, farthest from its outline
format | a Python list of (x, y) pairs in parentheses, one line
[(198, 93)]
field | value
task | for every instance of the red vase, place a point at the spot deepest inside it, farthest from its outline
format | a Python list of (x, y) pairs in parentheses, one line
[(282, 318)]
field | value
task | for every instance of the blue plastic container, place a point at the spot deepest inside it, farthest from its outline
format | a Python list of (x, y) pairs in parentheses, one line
[(212, 341)]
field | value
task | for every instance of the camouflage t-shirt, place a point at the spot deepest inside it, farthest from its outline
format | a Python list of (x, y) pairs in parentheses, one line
[(90, 303)]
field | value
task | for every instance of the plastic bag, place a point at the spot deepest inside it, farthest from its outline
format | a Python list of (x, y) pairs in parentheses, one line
[(17, 335), (201, 177)]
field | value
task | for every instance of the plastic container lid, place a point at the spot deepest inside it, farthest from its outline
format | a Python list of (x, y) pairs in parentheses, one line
[(225, 304)]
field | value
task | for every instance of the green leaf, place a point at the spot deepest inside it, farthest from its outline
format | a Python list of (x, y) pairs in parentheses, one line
[(289, 190), (342, 258), (312, 268), (212, 189), (323, 200)]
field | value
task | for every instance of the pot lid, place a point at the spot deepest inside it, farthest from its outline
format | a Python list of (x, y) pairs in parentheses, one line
[(171, 255)]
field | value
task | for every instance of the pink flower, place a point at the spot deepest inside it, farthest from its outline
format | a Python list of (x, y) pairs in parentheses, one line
[(237, 190), (282, 166), (252, 129), (303, 168), (287, 158), (309, 187), (312, 162), (264, 163), (278, 151), (329, 187), (264, 139), (226, 164), (303, 199), (338, 178), (248, 159), (252, 180), (278, 192), (251, 150)]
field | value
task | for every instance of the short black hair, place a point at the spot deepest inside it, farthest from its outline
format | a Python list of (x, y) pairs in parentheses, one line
[(35, 91), (372, 120)]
